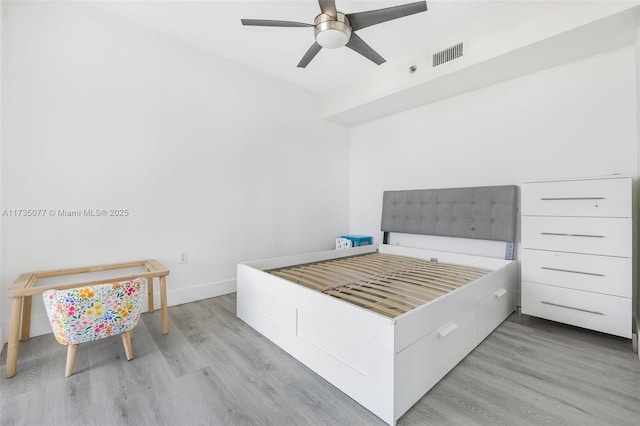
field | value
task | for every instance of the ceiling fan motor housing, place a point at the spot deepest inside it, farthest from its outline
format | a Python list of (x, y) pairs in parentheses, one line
[(332, 32)]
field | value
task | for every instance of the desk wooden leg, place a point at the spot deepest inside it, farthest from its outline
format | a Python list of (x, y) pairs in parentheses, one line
[(150, 294), (163, 304), (14, 332), (26, 318)]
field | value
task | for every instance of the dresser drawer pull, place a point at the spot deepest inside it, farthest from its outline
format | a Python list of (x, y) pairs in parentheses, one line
[(573, 272), (571, 307), (570, 198), (572, 235), (447, 329)]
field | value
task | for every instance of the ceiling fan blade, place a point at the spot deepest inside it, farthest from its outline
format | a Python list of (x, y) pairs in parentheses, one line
[(272, 23), (358, 45), (311, 53), (361, 20), (328, 7)]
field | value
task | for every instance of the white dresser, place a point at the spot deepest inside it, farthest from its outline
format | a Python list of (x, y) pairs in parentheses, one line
[(577, 252)]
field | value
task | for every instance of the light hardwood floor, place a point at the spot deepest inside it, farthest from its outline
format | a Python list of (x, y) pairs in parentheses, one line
[(212, 369)]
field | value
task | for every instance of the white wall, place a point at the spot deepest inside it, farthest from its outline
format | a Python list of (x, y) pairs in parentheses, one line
[(637, 212), (1, 162), (529, 37), (207, 156), (579, 119)]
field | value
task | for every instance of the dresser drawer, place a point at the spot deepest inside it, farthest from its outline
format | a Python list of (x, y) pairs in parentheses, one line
[(609, 314), (597, 197), (605, 236), (599, 274)]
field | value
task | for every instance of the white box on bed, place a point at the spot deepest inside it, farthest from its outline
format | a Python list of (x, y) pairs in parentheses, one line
[(385, 364)]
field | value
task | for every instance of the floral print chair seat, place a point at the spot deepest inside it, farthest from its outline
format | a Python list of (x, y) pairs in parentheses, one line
[(79, 315)]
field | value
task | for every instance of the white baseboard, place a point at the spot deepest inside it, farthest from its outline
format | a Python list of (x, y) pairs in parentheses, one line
[(176, 296), (194, 293)]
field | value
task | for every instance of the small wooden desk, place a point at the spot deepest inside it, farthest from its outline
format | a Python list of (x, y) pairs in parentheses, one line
[(25, 287)]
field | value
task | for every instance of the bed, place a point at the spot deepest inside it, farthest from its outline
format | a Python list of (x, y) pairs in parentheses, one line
[(385, 323)]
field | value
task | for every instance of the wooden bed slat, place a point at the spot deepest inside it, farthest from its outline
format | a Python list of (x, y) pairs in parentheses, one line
[(429, 279), (451, 271), (392, 298), (388, 284), (309, 282), (365, 303), (376, 297), (424, 287), (402, 291)]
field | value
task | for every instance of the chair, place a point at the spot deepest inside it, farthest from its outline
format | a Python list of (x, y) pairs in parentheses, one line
[(83, 314)]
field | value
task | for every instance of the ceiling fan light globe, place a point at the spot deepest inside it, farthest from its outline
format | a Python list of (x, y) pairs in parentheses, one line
[(332, 32), (332, 39)]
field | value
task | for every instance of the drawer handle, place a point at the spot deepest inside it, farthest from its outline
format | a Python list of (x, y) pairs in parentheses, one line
[(573, 272), (571, 307), (572, 235), (570, 198), (447, 329), (498, 294)]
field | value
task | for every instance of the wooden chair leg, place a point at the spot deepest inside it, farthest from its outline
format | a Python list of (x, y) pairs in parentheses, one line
[(126, 341), (71, 359)]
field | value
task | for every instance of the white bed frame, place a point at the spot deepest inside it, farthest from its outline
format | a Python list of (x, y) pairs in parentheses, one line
[(385, 364)]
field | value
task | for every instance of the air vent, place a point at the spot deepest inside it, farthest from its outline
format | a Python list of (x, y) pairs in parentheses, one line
[(448, 54)]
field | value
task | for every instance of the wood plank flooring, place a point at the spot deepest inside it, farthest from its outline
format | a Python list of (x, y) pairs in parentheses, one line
[(212, 369)]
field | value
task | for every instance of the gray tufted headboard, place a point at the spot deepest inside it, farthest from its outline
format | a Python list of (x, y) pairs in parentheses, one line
[(484, 212)]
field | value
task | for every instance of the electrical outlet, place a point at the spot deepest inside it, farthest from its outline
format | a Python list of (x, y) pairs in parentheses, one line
[(184, 257)]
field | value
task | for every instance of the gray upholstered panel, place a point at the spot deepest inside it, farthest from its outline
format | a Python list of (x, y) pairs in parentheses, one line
[(486, 212)]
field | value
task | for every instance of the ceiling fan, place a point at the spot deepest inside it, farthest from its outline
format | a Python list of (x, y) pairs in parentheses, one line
[(335, 29)]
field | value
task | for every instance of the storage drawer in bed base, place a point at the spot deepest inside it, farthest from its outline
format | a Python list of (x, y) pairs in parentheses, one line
[(495, 308), (440, 350)]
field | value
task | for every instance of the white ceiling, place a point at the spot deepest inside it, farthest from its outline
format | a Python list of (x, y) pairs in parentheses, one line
[(215, 26)]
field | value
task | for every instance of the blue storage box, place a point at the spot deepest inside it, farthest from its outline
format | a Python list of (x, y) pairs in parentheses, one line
[(359, 240)]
